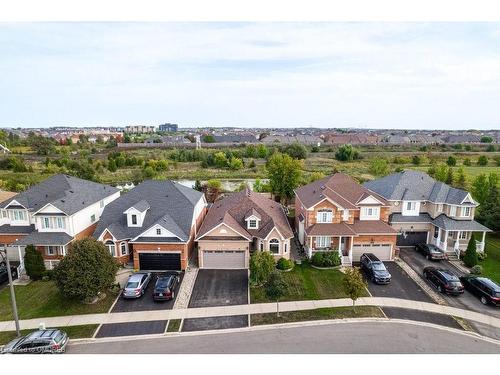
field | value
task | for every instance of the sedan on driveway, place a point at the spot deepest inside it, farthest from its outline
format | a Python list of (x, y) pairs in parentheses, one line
[(430, 251), (488, 291), (445, 281), (136, 285)]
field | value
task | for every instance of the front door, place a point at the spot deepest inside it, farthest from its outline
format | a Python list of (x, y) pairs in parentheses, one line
[(343, 244)]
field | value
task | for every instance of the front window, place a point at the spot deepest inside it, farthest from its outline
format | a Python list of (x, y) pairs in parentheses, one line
[(60, 222), (18, 215), (463, 235), (453, 210), (111, 247), (370, 213), (52, 250), (274, 246), (252, 224), (46, 222), (323, 242), (465, 211), (436, 232), (123, 248), (134, 219), (410, 206), (324, 216)]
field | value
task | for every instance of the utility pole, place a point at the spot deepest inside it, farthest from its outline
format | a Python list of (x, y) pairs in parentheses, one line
[(12, 293)]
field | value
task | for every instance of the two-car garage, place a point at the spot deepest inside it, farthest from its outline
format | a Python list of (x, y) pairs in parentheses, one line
[(223, 259), (382, 251), (159, 261)]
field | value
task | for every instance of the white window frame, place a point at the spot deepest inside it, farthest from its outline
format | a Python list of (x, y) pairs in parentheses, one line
[(324, 216), (453, 210), (111, 246), (132, 217), (323, 242), (465, 212), (18, 215), (274, 241), (60, 222), (370, 213), (462, 235), (46, 223), (123, 248), (252, 221)]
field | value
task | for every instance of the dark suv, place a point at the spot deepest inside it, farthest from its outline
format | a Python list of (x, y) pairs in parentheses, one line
[(430, 251), (375, 269), (444, 280), (488, 291), (165, 287)]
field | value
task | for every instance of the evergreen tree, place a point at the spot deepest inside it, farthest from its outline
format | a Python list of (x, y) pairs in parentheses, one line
[(470, 257)]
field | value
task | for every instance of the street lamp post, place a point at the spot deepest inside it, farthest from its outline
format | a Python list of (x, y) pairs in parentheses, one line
[(12, 293)]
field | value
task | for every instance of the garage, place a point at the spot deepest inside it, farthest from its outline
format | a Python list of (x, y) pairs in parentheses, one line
[(381, 251), (160, 261), (411, 238), (227, 259)]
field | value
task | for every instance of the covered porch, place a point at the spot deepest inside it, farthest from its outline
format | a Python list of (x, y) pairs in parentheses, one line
[(452, 236), (330, 237)]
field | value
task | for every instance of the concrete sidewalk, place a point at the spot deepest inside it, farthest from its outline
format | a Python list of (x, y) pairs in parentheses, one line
[(203, 312)]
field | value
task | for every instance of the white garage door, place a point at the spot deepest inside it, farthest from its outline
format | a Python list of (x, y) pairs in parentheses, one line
[(381, 251), (227, 259)]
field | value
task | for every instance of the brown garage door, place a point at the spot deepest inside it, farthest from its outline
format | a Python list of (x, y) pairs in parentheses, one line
[(227, 259)]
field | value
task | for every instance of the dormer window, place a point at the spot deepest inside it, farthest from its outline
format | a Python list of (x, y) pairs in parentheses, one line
[(252, 224), (465, 211), (134, 219), (158, 231), (324, 216)]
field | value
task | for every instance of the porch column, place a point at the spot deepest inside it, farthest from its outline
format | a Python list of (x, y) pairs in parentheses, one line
[(483, 245), (21, 260), (445, 240), (63, 250), (458, 240), (350, 248), (438, 239), (340, 246)]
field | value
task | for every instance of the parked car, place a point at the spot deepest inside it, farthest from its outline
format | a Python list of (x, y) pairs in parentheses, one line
[(165, 287), (4, 277), (38, 342), (136, 285), (375, 269), (431, 251), (445, 281), (487, 290)]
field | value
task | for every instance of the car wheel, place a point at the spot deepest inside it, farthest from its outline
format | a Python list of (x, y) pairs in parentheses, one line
[(484, 301)]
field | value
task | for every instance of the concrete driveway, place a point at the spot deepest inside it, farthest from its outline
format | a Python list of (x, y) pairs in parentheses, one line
[(143, 303), (402, 286), (465, 301), (218, 288)]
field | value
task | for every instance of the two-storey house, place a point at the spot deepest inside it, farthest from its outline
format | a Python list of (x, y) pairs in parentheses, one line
[(337, 213), (424, 210), (51, 214), (153, 225), (239, 224)]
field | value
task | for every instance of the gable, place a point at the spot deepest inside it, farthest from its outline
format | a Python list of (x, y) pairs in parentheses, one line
[(468, 199), (371, 200), (222, 230), (107, 235), (14, 203), (151, 232), (49, 208), (322, 203)]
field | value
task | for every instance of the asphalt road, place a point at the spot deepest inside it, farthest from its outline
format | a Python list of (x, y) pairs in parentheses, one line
[(402, 286), (465, 301), (357, 337)]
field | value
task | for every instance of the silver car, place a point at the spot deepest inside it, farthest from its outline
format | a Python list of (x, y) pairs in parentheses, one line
[(38, 342), (136, 285)]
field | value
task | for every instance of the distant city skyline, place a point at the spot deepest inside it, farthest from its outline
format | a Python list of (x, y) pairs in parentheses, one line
[(322, 75)]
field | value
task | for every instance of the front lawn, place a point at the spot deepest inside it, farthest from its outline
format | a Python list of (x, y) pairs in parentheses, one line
[(317, 314), (306, 283), (491, 265), (74, 332), (42, 299)]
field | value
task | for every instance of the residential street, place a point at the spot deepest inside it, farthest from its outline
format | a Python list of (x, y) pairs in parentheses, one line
[(465, 301), (358, 337)]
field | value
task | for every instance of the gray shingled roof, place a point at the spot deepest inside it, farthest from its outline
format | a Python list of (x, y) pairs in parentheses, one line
[(67, 193), (446, 223), (399, 218), (16, 229), (142, 205), (415, 185), (171, 205), (45, 239)]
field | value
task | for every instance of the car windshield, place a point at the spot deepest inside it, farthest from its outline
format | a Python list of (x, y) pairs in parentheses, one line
[(378, 266), (132, 284), (162, 283), (58, 337), (434, 249)]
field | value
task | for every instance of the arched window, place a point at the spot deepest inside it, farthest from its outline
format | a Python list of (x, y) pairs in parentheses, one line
[(123, 248), (111, 247), (274, 246)]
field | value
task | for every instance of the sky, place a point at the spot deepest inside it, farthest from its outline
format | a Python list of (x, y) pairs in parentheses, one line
[(367, 75)]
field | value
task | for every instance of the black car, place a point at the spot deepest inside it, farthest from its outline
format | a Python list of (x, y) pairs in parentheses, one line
[(431, 252), (165, 287), (444, 280), (4, 277), (488, 291), (375, 269)]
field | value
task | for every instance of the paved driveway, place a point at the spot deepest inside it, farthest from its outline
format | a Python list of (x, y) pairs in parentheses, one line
[(144, 303), (402, 286), (466, 301), (218, 288)]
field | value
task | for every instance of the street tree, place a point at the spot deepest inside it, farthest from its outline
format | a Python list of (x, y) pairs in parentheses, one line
[(354, 285), (275, 288)]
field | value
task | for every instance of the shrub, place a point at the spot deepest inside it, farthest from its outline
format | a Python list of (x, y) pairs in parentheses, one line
[(317, 259), (284, 264), (476, 270), (347, 153), (470, 257), (261, 266), (33, 262), (87, 270), (48, 275), (482, 255), (482, 160), (452, 161)]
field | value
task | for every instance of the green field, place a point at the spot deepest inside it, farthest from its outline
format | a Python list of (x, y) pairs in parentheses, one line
[(491, 265)]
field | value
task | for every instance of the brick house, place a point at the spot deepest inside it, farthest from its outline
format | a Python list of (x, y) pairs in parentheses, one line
[(51, 214), (337, 213), (153, 225)]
